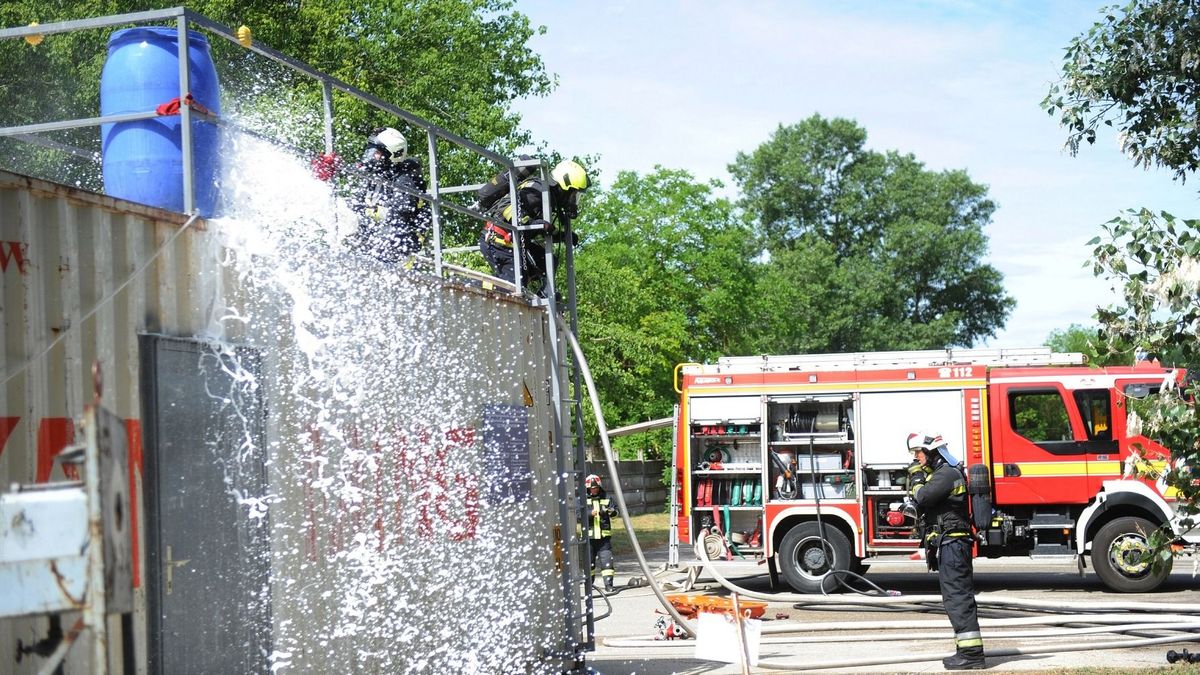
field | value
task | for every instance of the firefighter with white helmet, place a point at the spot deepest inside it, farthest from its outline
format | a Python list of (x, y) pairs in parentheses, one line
[(941, 500), (392, 218), (599, 529), (567, 180)]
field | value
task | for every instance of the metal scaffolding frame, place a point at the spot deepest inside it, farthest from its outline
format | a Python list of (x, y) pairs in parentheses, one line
[(565, 372)]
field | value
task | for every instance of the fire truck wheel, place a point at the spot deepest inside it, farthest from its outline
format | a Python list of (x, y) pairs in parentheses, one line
[(1117, 556), (804, 561)]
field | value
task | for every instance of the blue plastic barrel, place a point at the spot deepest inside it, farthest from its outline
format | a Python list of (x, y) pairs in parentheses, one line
[(143, 160)]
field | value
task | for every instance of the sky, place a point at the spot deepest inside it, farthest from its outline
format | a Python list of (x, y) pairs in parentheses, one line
[(689, 84)]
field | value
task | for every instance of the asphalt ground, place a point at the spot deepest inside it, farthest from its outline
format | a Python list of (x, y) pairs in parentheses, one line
[(635, 610)]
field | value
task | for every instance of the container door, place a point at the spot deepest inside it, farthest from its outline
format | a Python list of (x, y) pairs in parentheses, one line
[(207, 559), (1040, 451)]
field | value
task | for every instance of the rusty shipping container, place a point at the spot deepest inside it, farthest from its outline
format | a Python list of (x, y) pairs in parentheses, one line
[(336, 466)]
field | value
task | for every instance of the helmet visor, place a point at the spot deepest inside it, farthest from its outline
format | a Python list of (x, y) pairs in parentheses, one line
[(570, 204), (375, 157)]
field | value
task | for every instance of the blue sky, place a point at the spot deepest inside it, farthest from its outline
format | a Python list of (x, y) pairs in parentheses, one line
[(688, 84)]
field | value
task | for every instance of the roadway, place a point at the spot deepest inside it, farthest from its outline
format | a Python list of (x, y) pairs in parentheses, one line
[(635, 610)]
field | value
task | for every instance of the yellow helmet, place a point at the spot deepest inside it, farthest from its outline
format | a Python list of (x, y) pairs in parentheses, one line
[(570, 175)]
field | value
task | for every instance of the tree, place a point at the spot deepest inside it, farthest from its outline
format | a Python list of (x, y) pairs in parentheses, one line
[(866, 250), (664, 273), (456, 63), (1092, 343), (1138, 69)]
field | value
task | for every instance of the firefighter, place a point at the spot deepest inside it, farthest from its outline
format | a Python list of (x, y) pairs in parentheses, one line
[(392, 220), (941, 501), (568, 179), (600, 515)]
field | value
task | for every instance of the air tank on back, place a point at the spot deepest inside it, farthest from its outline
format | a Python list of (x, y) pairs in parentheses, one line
[(143, 160)]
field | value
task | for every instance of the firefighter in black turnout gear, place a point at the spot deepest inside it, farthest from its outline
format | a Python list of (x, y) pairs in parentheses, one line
[(941, 501), (600, 515), (392, 220), (568, 179)]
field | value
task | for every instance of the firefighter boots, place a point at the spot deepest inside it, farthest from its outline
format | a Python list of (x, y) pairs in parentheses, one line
[(608, 584), (965, 659)]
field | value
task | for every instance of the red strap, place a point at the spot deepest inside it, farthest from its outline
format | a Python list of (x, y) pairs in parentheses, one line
[(172, 107), (500, 232)]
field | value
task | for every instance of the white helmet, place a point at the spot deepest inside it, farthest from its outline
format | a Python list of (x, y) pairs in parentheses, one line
[(924, 440), (591, 481), (933, 444), (391, 142)]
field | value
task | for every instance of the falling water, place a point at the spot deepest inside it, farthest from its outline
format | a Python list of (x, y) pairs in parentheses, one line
[(398, 543)]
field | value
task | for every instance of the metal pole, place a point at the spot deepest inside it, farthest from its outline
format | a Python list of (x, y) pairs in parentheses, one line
[(185, 118), (327, 96), (435, 207), (94, 612), (515, 223)]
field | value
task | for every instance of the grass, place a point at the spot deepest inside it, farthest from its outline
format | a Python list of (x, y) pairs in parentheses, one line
[(652, 530)]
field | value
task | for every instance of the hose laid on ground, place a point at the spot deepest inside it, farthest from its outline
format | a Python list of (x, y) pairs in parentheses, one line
[(1006, 651), (891, 637), (616, 483)]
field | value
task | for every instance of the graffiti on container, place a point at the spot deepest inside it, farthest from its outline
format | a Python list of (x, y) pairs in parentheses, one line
[(13, 252), (402, 487)]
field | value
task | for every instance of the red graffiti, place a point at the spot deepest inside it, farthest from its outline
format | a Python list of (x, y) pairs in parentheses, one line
[(54, 434), (402, 478), (7, 424), (13, 251)]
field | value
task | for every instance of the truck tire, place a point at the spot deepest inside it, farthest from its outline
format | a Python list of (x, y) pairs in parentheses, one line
[(804, 561), (1116, 556)]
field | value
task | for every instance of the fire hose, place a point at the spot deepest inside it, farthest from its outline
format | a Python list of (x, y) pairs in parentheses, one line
[(1184, 617), (616, 484)]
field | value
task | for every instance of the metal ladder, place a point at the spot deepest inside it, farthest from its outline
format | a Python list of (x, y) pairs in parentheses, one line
[(566, 395)]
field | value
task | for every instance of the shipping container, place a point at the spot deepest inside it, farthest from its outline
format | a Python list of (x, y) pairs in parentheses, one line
[(336, 465)]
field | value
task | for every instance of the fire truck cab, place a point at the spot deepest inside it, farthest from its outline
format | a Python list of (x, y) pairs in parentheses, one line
[(802, 459)]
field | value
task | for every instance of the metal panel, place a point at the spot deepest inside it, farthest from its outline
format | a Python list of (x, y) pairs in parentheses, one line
[(375, 397), (208, 592), (64, 254), (886, 419), (725, 408)]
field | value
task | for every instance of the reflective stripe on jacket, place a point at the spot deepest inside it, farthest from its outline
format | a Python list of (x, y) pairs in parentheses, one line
[(601, 511)]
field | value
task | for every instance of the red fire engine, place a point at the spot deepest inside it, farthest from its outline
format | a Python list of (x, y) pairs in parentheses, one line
[(802, 459)]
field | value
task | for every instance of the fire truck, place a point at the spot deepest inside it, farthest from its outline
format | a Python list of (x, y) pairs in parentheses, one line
[(801, 460)]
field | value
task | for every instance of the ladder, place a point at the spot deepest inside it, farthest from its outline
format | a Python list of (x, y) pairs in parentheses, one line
[(1028, 356), (570, 454)]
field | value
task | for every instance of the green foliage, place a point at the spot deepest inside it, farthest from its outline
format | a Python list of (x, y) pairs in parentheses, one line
[(664, 273), (1096, 345), (866, 251), (1137, 70)]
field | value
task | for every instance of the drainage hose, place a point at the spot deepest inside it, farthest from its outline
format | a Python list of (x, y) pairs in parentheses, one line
[(616, 483)]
